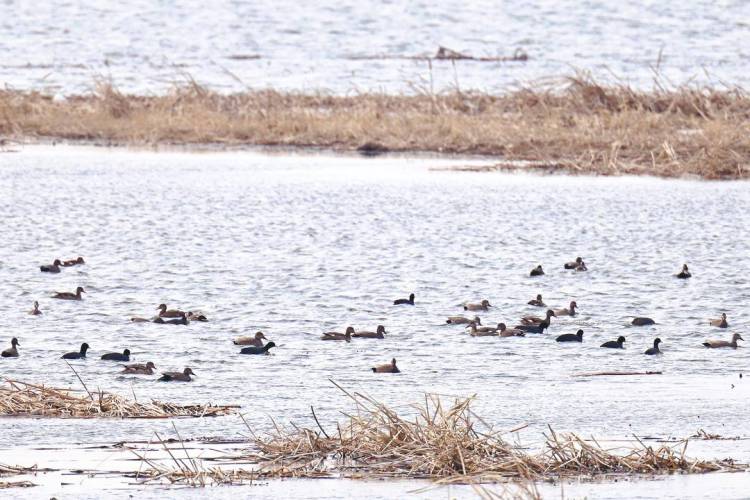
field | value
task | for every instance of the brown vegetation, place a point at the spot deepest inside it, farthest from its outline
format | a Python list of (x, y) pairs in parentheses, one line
[(579, 127)]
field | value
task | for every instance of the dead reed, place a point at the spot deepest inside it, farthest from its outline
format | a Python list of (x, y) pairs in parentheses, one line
[(575, 125)]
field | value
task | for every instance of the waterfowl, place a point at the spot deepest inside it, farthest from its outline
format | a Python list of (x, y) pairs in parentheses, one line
[(11, 352), (642, 321), (570, 337), (182, 321), (575, 264), (567, 311), (69, 295), (183, 376), (537, 271), (537, 327), (504, 331), (171, 313), (140, 369), (485, 331), (482, 306), (116, 356), (379, 334), (196, 316), (53, 268), (535, 320), (714, 344), (256, 341), (721, 323), (460, 320), (581, 267), (538, 302), (73, 262), (257, 350), (615, 344), (389, 368), (339, 336), (654, 350), (35, 311), (409, 301), (77, 355), (684, 274)]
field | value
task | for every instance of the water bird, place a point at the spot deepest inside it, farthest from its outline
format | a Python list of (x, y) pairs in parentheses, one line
[(182, 321), (615, 344), (196, 316), (567, 311), (140, 369), (69, 295), (339, 336), (581, 267), (654, 350), (538, 302), (537, 271), (571, 337), (715, 344), (35, 311), (482, 306), (73, 262), (378, 334), (52, 268), (461, 320), (183, 376), (535, 320), (504, 331), (12, 351), (409, 301), (387, 368), (642, 321), (484, 331), (116, 356), (257, 350), (575, 264), (685, 273), (721, 323), (537, 327), (256, 340), (169, 313), (77, 355)]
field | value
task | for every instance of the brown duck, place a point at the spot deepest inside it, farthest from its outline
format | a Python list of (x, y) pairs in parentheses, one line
[(504, 331), (482, 306), (140, 369), (567, 311), (73, 262), (575, 264), (53, 268), (169, 313), (256, 340), (535, 320), (537, 302), (69, 295), (183, 376), (460, 320), (11, 352), (339, 336), (685, 273), (379, 334), (715, 344), (484, 331), (389, 368), (35, 311), (721, 323), (537, 271)]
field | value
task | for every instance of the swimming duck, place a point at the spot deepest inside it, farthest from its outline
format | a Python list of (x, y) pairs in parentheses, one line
[(35, 311), (573, 265), (389, 368), (256, 341), (257, 350), (196, 316), (339, 336), (409, 301), (714, 344), (568, 311), (581, 267), (684, 274), (69, 295), (537, 271), (570, 337), (485, 331), (54, 268), (379, 334), (538, 302), (73, 262), (535, 320), (642, 321), (116, 356), (171, 313), (615, 344), (140, 369), (77, 355), (460, 320), (721, 323), (183, 376), (504, 331), (537, 327), (483, 306), (12, 352), (654, 350)]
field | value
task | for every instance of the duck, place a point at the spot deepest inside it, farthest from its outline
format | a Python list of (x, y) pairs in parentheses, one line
[(535, 320), (339, 336), (640, 321), (537, 271), (69, 295), (570, 337), (575, 264), (504, 331), (378, 334), (567, 311), (713, 344), (73, 262), (12, 351), (169, 313), (196, 316), (183, 376), (581, 267), (52, 268), (461, 320), (35, 311), (721, 323), (537, 302), (537, 327), (615, 344), (256, 340), (140, 369), (684, 274), (409, 301), (257, 350), (654, 350), (482, 306), (387, 368), (485, 331), (77, 355), (116, 356)]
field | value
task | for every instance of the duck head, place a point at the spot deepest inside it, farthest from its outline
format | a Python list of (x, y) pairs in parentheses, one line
[(735, 337), (620, 339), (579, 334), (80, 290), (150, 365), (381, 329), (550, 313), (57, 263), (162, 307), (14, 342), (79, 260), (259, 336), (126, 353), (188, 372), (486, 303)]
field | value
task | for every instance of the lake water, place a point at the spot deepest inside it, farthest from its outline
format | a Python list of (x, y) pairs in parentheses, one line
[(346, 46)]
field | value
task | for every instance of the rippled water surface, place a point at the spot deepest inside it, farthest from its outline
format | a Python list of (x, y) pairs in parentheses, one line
[(350, 45), (298, 245)]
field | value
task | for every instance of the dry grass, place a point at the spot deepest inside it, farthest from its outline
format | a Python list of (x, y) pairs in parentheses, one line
[(580, 126), (19, 399)]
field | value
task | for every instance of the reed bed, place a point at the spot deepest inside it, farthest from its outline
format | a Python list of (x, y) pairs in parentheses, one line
[(20, 399), (574, 125)]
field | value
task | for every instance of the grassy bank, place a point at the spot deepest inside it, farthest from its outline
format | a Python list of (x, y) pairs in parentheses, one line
[(580, 127)]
